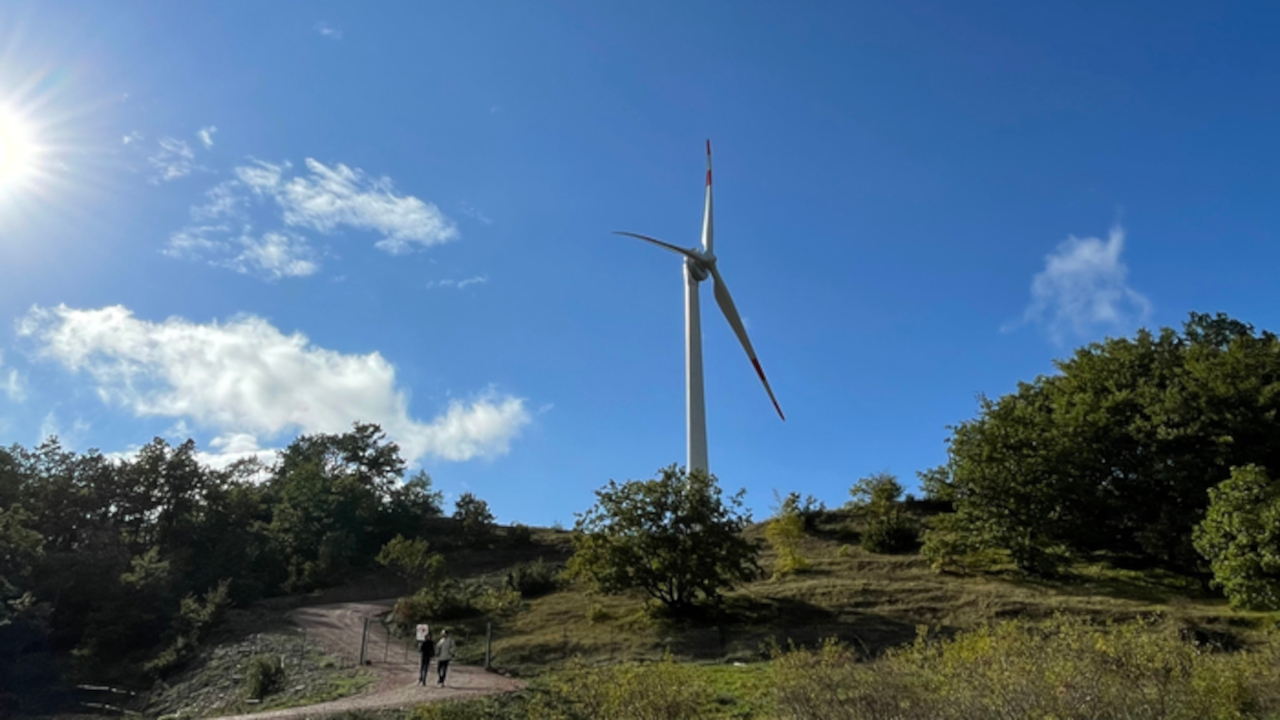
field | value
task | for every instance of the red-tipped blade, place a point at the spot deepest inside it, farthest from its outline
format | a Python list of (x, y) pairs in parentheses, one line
[(725, 300), (708, 228)]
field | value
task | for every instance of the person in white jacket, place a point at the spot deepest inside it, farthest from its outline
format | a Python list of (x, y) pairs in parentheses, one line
[(444, 653)]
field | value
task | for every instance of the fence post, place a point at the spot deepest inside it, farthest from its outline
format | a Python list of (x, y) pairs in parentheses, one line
[(364, 637), (488, 646)]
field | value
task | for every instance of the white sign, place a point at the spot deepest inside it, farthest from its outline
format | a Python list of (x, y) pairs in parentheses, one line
[(423, 631)]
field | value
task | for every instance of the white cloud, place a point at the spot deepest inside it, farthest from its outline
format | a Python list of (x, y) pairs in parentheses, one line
[(131, 138), (69, 437), (206, 135), (246, 378), (459, 284), (193, 242), (332, 197), (1083, 286), (326, 30), (472, 212), (12, 383), (232, 448), (273, 256), (325, 199), (173, 160)]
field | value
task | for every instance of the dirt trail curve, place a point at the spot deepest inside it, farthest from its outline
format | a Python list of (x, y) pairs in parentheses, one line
[(338, 628)]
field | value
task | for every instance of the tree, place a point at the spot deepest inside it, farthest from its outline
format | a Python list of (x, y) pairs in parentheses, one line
[(1240, 537), (473, 513), (785, 532), (412, 560), (888, 528), (1117, 451), (672, 537)]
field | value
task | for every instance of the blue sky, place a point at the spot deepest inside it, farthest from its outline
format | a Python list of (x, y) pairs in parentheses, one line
[(245, 221)]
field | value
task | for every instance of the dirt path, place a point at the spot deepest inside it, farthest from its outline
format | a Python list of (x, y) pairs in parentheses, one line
[(338, 628)]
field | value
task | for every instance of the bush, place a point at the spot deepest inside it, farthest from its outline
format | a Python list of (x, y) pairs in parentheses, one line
[(784, 532), (891, 532), (533, 579), (1240, 537), (673, 537), (656, 691), (519, 534), (444, 600), (1066, 669), (264, 676), (477, 521)]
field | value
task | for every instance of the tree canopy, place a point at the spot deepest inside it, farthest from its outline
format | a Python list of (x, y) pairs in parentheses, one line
[(1117, 451), (673, 537), (126, 562)]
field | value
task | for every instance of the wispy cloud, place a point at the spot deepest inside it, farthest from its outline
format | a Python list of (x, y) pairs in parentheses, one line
[(1084, 287), (247, 381), (70, 437), (275, 255), (326, 199), (131, 138), (459, 284), (12, 384), (206, 135), (327, 30), (173, 160), (472, 212)]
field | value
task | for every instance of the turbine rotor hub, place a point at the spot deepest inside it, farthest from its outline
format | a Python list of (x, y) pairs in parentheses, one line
[(699, 269)]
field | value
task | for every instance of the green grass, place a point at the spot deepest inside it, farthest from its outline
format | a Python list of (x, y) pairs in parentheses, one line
[(869, 600)]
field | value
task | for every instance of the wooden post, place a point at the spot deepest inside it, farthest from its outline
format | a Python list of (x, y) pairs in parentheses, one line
[(364, 638), (488, 646)]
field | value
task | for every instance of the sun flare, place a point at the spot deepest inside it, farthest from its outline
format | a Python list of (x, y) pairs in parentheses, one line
[(18, 148)]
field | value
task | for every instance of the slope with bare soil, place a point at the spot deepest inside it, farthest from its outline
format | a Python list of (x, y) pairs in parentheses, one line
[(338, 627)]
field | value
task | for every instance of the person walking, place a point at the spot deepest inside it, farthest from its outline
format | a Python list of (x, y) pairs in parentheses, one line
[(444, 653), (427, 649)]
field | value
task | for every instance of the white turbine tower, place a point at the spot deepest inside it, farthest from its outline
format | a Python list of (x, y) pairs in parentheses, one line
[(699, 264)]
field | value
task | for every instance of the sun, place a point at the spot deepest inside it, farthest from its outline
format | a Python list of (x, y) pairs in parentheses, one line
[(18, 149)]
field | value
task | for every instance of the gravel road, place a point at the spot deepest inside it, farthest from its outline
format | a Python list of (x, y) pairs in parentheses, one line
[(338, 628)]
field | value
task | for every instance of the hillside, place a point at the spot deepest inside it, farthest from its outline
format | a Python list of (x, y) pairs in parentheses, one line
[(870, 601)]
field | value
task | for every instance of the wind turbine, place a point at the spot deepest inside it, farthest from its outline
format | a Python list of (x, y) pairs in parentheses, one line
[(699, 264)]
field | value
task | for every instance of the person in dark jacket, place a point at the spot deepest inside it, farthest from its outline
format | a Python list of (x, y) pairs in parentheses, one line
[(426, 650)]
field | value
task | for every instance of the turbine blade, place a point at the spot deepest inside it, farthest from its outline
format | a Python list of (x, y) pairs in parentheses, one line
[(673, 248), (708, 228), (725, 300)]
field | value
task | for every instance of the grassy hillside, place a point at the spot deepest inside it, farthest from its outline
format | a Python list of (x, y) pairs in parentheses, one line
[(870, 600)]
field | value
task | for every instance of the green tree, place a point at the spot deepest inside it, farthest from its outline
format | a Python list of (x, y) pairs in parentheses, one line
[(1117, 450), (477, 521), (1240, 537), (888, 528), (412, 560), (672, 537), (785, 533)]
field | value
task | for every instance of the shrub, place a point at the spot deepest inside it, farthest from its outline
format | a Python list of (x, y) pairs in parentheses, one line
[(477, 521), (890, 532), (1066, 669), (809, 509), (444, 600), (263, 676), (1240, 537), (519, 534), (673, 537), (533, 579), (656, 691), (784, 532), (412, 560)]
